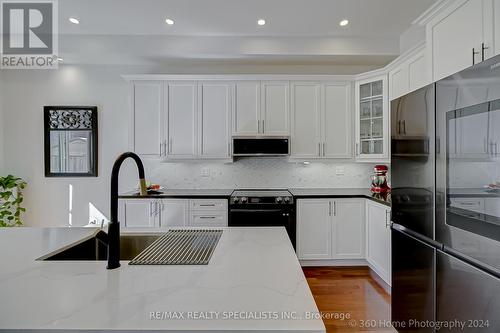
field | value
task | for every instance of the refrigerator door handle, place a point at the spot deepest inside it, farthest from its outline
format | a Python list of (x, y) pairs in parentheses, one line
[(417, 236), (471, 261)]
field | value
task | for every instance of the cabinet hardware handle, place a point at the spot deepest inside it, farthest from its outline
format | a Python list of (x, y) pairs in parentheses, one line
[(399, 127), (324, 145), (329, 208), (387, 220), (483, 47), (263, 126), (319, 148), (207, 205), (207, 217), (258, 126), (170, 145), (404, 126), (150, 209), (335, 208), (474, 52)]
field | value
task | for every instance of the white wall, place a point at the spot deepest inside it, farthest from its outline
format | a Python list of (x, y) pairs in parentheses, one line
[(47, 199), (2, 125)]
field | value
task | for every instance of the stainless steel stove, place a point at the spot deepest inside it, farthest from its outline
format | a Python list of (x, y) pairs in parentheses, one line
[(263, 208)]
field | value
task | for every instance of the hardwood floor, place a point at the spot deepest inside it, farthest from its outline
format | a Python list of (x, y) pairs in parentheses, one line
[(350, 291)]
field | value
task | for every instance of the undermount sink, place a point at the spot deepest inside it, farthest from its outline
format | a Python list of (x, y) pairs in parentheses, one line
[(96, 248), (175, 247)]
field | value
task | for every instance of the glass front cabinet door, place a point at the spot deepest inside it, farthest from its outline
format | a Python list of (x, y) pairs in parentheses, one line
[(372, 139)]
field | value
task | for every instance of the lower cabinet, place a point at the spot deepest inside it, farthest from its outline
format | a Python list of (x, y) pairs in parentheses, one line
[(138, 213), (158, 214), (173, 213), (378, 240), (330, 229)]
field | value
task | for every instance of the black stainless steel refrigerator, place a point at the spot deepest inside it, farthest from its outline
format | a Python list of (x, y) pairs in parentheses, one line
[(445, 175)]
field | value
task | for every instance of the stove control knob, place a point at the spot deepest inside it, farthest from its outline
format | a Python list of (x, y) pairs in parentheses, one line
[(236, 199), (287, 200), (244, 199), (279, 200)]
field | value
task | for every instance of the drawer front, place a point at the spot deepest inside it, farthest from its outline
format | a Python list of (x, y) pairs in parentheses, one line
[(208, 204), (208, 219), (473, 204)]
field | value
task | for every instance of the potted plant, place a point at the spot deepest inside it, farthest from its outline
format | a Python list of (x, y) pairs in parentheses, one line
[(11, 198)]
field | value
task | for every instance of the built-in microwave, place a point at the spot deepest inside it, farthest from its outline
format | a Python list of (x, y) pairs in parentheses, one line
[(261, 146)]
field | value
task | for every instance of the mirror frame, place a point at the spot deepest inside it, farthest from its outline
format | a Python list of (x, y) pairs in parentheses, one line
[(94, 130)]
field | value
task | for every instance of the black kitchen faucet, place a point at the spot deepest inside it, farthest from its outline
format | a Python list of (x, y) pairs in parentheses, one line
[(114, 224)]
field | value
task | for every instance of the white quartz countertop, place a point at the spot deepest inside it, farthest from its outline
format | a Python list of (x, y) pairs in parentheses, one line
[(253, 282)]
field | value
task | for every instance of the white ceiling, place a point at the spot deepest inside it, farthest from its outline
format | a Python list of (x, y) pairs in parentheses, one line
[(226, 29)]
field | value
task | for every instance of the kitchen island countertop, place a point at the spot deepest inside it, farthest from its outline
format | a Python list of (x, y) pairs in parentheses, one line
[(253, 273)]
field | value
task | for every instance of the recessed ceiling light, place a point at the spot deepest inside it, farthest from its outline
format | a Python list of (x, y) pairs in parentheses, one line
[(169, 21), (343, 23), (261, 22), (74, 20), (60, 59)]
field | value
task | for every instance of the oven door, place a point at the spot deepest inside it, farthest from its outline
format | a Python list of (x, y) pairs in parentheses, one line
[(263, 217)]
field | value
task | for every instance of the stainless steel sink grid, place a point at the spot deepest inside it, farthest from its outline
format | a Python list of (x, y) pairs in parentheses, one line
[(180, 247)]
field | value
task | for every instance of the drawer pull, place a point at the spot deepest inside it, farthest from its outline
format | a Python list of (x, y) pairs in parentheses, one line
[(207, 205), (207, 217)]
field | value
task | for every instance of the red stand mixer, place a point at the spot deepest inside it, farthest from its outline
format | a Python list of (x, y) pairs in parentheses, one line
[(379, 179)]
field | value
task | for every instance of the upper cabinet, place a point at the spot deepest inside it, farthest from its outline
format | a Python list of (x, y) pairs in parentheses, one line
[(147, 118), (462, 35), (372, 132), (409, 74), (261, 108), (182, 106), (321, 120), (275, 110), (214, 118)]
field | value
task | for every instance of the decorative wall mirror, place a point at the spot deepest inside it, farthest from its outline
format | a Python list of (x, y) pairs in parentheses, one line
[(70, 141)]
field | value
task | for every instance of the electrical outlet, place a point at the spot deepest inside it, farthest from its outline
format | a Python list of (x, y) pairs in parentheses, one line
[(340, 171), (205, 172)]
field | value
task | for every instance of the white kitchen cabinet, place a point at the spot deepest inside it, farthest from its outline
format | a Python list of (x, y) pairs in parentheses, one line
[(208, 219), (138, 213), (306, 119), (372, 119), (147, 122), (246, 117), (336, 129), (348, 229), (321, 120), (410, 74), (173, 213), (494, 130), (473, 204), (214, 119), (274, 108), (314, 229), (330, 229), (378, 240), (492, 206), (460, 36), (208, 212), (261, 108), (182, 119)]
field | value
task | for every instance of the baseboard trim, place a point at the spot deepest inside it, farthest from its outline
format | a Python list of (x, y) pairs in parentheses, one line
[(381, 282), (334, 262)]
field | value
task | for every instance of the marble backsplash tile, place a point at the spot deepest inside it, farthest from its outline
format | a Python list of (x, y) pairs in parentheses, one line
[(259, 173)]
